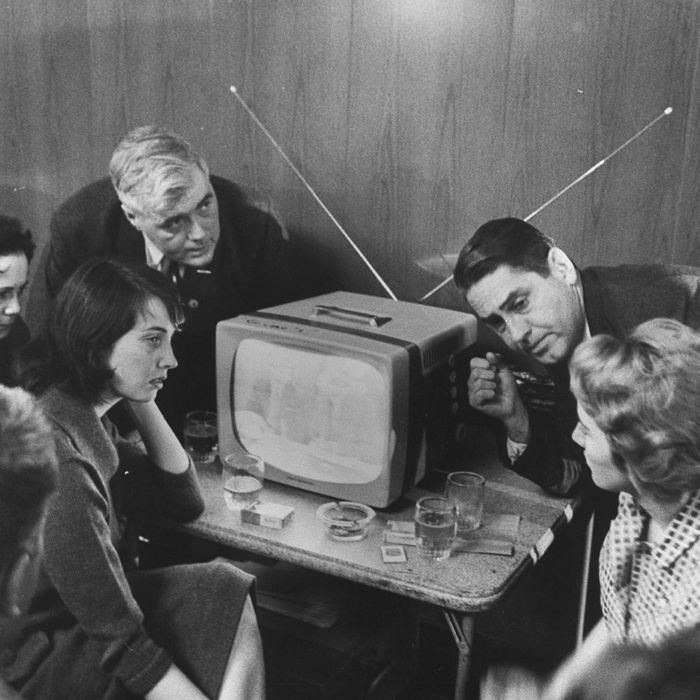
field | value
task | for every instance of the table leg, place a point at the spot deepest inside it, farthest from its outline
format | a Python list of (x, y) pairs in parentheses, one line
[(585, 574), (462, 630)]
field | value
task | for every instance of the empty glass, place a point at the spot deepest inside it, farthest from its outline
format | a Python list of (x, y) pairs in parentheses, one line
[(466, 490)]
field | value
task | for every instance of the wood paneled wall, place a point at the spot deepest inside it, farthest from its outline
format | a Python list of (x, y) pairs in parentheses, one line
[(414, 121)]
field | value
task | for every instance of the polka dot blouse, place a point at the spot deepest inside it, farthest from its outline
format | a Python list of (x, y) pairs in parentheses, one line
[(650, 591)]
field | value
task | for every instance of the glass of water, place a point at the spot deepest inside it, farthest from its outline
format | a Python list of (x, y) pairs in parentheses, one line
[(243, 476), (200, 435), (466, 489), (436, 524)]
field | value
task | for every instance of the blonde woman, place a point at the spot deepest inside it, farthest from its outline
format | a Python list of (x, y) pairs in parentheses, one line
[(639, 425)]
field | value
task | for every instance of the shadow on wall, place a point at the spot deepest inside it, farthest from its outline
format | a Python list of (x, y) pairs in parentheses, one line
[(320, 270), (35, 208), (324, 263)]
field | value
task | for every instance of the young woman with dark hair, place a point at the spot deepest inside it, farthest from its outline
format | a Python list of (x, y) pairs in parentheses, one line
[(93, 629)]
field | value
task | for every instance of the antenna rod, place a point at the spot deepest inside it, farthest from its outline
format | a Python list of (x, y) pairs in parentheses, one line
[(588, 172), (296, 171), (663, 114)]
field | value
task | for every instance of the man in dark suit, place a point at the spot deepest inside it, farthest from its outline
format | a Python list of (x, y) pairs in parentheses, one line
[(163, 208), (526, 289)]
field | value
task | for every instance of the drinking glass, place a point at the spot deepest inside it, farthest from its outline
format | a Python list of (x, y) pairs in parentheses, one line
[(466, 490), (435, 523), (200, 435), (243, 478)]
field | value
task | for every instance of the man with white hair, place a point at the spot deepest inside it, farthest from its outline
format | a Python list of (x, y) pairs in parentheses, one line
[(163, 208)]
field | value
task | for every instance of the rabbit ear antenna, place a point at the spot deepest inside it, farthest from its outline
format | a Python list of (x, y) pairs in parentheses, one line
[(583, 176), (311, 190)]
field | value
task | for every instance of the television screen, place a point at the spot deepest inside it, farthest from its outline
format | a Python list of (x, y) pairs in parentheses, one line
[(326, 416), (343, 394)]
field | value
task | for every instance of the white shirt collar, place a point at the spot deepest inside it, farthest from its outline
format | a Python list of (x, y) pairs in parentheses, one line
[(579, 292), (154, 256), (156, 259)]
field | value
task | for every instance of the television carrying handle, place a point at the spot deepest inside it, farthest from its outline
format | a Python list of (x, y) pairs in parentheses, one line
[(353, 315)]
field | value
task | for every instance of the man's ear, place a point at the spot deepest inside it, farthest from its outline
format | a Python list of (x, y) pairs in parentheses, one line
[(561, 267), (130, 215), (14, 579)]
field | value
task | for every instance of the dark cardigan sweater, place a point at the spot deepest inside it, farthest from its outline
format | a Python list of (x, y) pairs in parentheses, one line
[(83, 575)]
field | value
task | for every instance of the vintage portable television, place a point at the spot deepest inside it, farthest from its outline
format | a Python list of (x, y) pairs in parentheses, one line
[(347, 395)]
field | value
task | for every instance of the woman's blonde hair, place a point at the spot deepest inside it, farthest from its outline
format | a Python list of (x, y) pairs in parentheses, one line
[(643, 392)]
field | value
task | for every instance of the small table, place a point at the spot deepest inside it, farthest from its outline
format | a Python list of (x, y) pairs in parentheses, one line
[(462, 586)]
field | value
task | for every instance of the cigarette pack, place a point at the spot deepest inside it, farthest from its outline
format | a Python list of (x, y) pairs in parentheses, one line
[(268, 515), (400, 532)]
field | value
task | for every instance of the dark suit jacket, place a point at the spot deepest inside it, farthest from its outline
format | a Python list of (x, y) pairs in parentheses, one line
[(252, 268), (616, 299)]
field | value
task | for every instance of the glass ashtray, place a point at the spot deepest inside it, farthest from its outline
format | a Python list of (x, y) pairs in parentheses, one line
[(346, 521)]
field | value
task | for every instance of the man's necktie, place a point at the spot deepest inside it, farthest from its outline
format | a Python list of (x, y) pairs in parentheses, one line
[(172, 268)]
